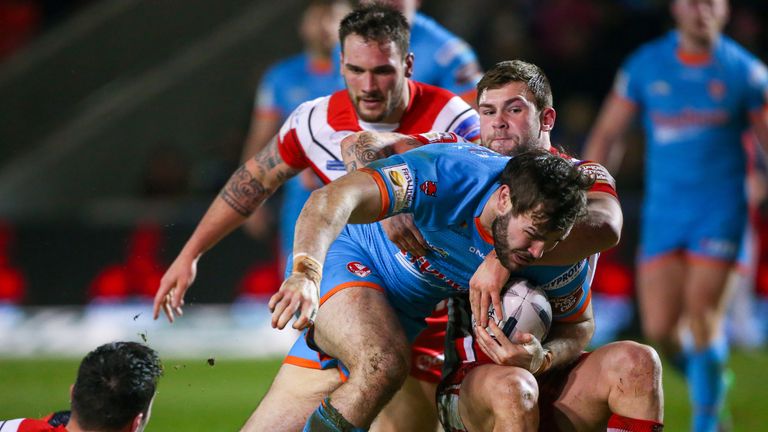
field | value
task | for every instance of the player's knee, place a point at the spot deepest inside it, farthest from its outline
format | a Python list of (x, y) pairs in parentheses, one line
[(386, 369), (636, 367), (514, 389)]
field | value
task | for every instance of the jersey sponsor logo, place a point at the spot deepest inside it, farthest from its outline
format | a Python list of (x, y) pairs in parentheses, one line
[(426, 268), (566, 304), (598, 172), (660, 88), (477, 252), (566, 277), (716, 89), (335, 165), (401, 181), (359, 269), (429, 188)]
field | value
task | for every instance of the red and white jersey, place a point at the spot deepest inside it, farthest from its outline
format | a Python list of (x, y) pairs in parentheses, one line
[(312, 134), (29, 425)]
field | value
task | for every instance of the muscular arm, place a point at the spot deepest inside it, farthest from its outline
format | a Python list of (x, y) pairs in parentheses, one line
[(362, 148), (248, 187), (354, 198), (605, 144), (759, 123), (566, 341), (598, 231)]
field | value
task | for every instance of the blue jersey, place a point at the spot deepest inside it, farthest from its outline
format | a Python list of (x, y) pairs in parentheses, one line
[(693, 114), (297, 79), (441, 58)]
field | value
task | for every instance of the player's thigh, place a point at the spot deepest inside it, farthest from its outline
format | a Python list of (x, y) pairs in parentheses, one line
[(356, 323), (295, 392), (705, 289), (660, 283), (411, 409)]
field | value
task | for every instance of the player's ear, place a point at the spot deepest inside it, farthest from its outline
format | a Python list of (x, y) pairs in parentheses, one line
[(503, 204), (409, 64), (547, 119), (71, 390), (137, 422)]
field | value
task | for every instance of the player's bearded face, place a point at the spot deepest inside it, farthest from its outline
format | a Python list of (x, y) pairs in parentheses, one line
[(518, 242), (701, 20), (375, 74)]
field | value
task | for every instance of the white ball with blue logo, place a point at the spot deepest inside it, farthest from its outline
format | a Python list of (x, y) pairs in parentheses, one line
[(526, 310)]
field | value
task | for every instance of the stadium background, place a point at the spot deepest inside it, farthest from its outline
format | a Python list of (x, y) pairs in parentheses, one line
[(120, 120)]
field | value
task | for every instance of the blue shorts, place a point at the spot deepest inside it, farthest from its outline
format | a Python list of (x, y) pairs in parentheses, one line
[(349, 264), (714, 233)]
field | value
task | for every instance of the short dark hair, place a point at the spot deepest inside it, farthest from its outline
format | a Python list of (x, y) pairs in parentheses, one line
[(505, 72), (115, 383), (379, 23), (549, 186)]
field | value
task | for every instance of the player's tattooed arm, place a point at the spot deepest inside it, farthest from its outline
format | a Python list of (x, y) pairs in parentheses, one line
[(256, 180), (362, 148)]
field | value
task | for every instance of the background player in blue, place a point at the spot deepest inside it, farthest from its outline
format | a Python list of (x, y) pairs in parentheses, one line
[(697, 91), (285, 85), (368, 285)]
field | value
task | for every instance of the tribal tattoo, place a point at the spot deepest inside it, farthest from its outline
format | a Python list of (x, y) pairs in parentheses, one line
[(243, 192)]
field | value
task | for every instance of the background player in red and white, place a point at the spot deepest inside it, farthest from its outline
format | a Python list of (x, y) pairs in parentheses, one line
[(113, 392), (375, 65)]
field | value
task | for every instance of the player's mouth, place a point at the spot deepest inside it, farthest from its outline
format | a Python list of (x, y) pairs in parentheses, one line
[(522, 259)]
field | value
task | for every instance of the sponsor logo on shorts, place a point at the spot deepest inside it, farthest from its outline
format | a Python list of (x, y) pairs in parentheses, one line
[(719, 248), (566, 304), (429, 188), (427, 362), (400, 179), (359, 269)]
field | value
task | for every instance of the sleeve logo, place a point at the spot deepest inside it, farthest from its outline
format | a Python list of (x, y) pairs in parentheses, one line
[(400, 180), (359, 269), (429, 188)]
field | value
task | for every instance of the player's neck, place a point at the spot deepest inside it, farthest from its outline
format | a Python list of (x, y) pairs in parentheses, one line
[(689, 45), (490, 213)]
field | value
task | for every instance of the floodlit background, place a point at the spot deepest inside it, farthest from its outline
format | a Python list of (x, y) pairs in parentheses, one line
[(121, 119)]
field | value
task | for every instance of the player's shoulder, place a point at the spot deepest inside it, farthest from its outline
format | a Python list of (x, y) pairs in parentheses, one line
[(730, 51), (426, 27), (430, 94), (29, 425), (643, 55)]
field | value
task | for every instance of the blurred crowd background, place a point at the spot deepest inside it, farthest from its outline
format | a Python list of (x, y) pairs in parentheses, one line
[(120, 120)]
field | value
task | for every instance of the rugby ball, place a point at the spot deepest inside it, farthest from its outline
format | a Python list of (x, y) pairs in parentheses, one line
[(526, 309)]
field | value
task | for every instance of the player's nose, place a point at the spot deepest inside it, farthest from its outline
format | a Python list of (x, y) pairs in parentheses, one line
[(537, 249)]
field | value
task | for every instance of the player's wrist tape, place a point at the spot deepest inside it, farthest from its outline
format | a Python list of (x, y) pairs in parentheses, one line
[(546, 362), (308, 266)]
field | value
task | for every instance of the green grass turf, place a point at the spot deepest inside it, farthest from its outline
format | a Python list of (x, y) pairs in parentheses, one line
[(195, 396)]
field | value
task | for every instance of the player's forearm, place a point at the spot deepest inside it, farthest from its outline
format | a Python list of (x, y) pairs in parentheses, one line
[(353, 198), (245, 191), (362, 148), (567, 341), (598, 231)]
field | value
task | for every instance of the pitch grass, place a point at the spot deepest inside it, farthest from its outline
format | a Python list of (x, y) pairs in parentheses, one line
[(195, 396)]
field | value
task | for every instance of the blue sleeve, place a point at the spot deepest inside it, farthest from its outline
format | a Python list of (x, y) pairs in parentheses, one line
[(461, 71), (757, 85), (628, 83), (267, 92)]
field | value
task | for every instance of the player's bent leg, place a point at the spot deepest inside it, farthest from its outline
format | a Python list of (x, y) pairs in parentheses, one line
[(660, 298), (358, 326), (622, 380), (294, 394), (411, 409), (705, 298), (499, 398)]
